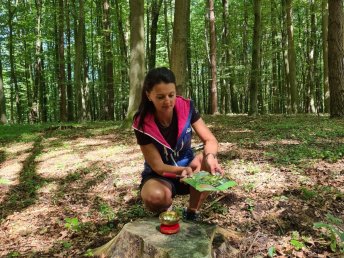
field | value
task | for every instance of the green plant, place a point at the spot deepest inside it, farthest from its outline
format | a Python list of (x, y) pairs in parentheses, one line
[(334, 231), (4, 181), (89, 253), (295, 241), (272, 251), (72, 224), (14, 254), (308, 194), (106, 211), (66, 244)]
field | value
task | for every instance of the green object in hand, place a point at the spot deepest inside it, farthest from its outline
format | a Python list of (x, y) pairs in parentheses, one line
[(204, 181)]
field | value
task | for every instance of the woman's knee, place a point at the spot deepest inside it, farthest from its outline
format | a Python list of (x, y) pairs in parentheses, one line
[(156, 199)]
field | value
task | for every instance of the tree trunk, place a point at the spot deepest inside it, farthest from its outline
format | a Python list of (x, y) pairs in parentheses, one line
[(167, 33), (137, 55), (336, 57), (255, 67), (273, 86), (61, 64), (213, 88), (179, 44), (109, 109), (155, 7), (124, 64), (325, 55), (13, 73), (3, 118), (291, 58), (70, 102), (79, 63)]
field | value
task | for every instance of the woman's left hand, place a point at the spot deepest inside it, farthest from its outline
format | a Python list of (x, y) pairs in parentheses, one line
[(212, 165)]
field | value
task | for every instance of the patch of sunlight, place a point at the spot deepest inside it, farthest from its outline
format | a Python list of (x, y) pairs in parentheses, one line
[(19, 147), (49, 154), (109, 153), (60, 166), (129, 170), (281, 142), (82, 142), (11, 172), (48, 188), (265, 179), (26, 229)]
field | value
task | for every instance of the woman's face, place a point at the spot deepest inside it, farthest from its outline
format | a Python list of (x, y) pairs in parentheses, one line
[(163, 96)]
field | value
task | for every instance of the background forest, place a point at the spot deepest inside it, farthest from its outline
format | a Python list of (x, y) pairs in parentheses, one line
[(69, 60)]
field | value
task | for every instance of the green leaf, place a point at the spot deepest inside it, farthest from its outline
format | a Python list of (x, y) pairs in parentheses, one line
[(272, 251), (204, 181), (4, 181), (297, 244)]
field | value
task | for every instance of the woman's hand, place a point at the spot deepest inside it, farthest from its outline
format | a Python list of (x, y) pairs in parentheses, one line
[(211, 164), (187, 172)]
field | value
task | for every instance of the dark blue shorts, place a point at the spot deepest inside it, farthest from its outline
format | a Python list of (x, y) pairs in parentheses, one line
[(177, 186)]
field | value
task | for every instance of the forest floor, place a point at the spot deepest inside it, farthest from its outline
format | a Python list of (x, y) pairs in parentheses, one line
[(67, 189)]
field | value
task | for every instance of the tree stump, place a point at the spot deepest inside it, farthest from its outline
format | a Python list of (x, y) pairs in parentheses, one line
[(142, 238)]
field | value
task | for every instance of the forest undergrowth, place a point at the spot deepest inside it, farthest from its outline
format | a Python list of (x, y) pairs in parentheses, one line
[(66, 189)]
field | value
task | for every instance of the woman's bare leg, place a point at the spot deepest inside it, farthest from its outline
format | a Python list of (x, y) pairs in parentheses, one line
[(156, 195), (197, 198)]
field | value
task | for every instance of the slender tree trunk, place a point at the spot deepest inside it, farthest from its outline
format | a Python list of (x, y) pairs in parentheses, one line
[(273, 86), (167, 33), (291, 58), (137, 55), (155, 7), (79, 63), (109, 109), (255, 67), (179, 44), (245, 75), (70, 102), (124, 59), (325, 55), (336, 57), (61, 67), (13, 73), (3, 117), (213, 88)]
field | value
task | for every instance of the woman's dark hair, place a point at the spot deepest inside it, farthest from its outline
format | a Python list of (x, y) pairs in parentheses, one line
[(153, 77)]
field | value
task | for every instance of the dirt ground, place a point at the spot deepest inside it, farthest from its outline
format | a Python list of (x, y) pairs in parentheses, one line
[(94, 179)]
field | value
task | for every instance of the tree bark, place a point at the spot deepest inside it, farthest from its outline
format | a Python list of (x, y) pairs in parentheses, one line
[(291, 58), (255, 67), (13, 73), (336, 57), (70, 101), (3, 117), (137, 55), (61, 64), (325, 55), (155, 7), (109, 108), (179, 44), (213, 88)]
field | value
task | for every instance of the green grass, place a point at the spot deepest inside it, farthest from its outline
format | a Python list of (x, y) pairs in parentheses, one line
[(310, 136)]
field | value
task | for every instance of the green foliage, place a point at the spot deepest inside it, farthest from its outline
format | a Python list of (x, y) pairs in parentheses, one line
[(4, 181), (272, 251), (14, 254), (66, 244), (89, 253), (72, 224), (135, 211), (334, 232), (308, 194), (106, 211), (296, 241)]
